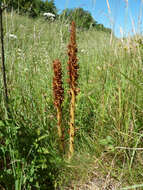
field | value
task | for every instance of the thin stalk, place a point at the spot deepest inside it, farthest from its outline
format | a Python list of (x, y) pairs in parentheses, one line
[(72, 128), (3, 58), (59, 126)]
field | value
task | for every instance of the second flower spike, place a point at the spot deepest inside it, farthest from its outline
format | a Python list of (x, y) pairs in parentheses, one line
[(58, 92)]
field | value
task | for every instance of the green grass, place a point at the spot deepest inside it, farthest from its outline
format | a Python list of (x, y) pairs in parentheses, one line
[(109, 108)]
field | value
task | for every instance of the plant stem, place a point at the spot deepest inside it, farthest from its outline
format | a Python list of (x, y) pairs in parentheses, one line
[(3, 59), (72, 130), (60, 132)]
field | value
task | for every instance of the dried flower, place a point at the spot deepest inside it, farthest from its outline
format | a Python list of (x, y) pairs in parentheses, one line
[(58, 99), (57, 83), (72, 62), (73, 76)]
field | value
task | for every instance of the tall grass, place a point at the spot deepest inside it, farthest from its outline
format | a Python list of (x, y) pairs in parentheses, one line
[(108, 110)]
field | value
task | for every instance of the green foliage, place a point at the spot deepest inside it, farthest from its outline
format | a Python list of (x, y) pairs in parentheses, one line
[(49, 6), (83, 19), (33, 8), (23, 158)]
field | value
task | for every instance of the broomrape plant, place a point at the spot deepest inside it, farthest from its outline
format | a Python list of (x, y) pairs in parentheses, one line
[(58, 90), (58, 98), (73, 76)]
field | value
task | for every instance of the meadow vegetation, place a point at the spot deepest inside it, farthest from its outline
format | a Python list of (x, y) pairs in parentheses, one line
[(109, 107)]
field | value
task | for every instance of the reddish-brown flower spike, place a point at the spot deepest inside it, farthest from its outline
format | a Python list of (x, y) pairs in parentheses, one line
[(73, 76), (57, 83), (58, 92), (72, 62)]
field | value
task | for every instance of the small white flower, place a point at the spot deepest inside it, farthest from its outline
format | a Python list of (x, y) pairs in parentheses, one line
[(12, 36), (50, 16), (99, 68), (82, 50), (26, 69)]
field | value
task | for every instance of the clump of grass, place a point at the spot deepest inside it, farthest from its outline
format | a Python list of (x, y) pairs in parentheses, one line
[(73, 76), (58, 98)]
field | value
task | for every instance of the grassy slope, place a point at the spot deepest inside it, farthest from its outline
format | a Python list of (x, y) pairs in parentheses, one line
[(108, 111)]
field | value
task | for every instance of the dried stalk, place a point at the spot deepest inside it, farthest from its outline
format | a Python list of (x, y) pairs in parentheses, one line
[(73, 76), (3, 58), (58, 99)]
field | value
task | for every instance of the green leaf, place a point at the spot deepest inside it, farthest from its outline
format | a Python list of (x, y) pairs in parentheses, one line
[(43, 150), (42, 137), (103, 142), (2, 124)]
